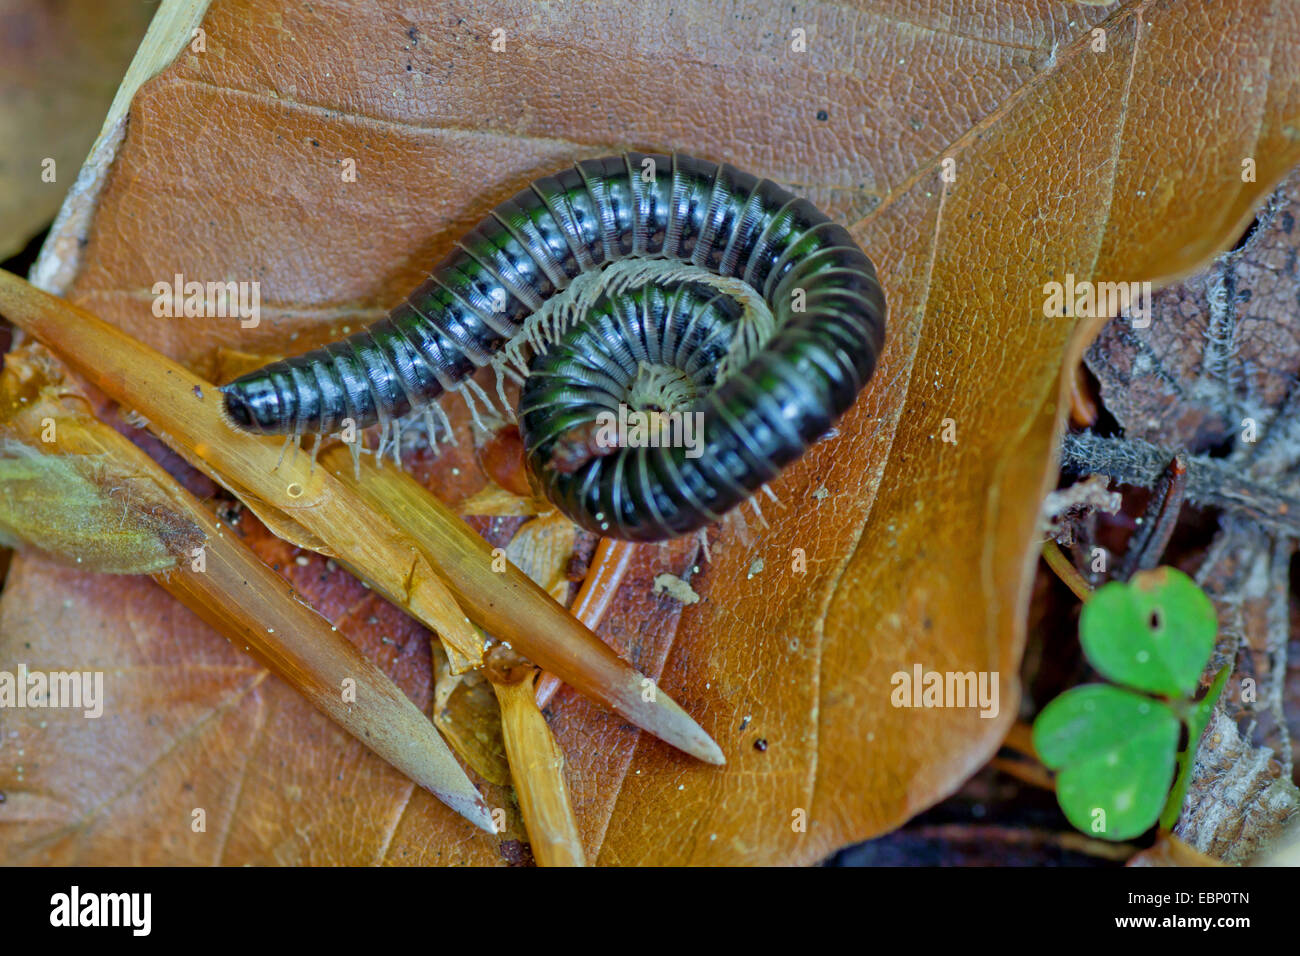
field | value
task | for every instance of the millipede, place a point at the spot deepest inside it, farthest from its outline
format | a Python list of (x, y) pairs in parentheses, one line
[(665, 284)]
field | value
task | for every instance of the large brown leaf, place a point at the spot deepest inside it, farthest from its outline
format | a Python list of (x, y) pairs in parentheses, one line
[(1116, 164)]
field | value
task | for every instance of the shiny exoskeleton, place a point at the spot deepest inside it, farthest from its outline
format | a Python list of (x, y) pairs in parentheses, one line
[(822, 290)]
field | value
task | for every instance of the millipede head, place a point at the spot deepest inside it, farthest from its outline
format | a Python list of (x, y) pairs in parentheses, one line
[(253, 405)]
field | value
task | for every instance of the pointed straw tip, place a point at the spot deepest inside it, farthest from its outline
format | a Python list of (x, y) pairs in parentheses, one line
[(710, 752), (664, 718), (425, 757), (472, 809), (698, 744)]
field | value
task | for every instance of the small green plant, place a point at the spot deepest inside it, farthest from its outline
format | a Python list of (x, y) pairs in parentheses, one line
[(1115, 749)]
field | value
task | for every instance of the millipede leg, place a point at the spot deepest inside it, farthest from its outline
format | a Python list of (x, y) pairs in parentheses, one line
[(284, 450), (703, 537)]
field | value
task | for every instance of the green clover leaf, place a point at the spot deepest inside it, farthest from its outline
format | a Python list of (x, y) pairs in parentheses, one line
[(1154, 633), (1115, 753), (1115, 750)]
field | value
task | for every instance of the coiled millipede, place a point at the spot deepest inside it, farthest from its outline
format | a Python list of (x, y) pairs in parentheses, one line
[(664, 284)]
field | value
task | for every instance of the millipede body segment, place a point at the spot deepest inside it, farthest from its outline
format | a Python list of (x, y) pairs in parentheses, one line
[(736, 302)]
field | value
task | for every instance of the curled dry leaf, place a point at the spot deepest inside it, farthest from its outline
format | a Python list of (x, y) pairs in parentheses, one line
[(466, 713), (1171, 851), (975, 155), (60, 61), (465, 706)]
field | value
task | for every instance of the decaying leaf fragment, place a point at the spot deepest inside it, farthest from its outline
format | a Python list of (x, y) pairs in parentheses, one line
[(675, 588), (84, 510), (1240, 798)]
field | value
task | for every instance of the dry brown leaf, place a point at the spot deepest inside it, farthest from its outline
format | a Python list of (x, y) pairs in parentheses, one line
[(1067, 160)]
